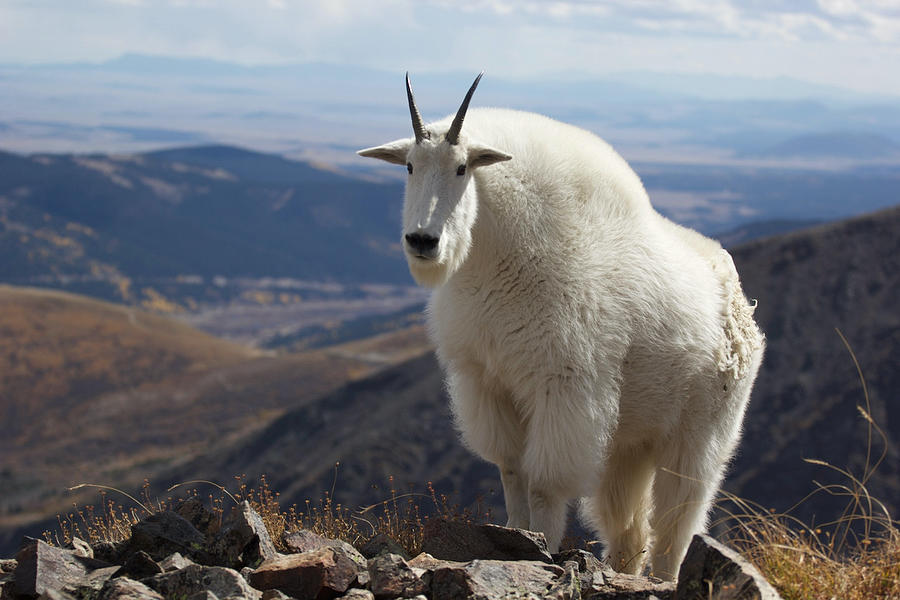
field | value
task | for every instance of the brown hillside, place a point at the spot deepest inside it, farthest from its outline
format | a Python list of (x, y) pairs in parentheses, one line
[(98, 393), (56, 348)]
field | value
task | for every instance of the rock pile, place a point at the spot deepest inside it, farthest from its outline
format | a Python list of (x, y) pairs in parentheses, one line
[(183, 555)]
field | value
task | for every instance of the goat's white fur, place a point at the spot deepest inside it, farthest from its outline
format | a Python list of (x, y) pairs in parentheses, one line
[(593, 348)]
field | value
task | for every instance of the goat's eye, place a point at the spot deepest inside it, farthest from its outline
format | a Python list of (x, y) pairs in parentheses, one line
[(409, 168), (461, 170)]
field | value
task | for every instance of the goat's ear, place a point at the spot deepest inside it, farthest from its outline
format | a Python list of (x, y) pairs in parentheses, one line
[(482, 156), (393, 152)]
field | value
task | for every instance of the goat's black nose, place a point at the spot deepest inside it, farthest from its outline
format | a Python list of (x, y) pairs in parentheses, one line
[(422, 243)]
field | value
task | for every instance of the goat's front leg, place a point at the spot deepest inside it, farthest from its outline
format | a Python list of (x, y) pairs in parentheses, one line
[(515, 493), (491, 427), (548, 515), (567, 439)]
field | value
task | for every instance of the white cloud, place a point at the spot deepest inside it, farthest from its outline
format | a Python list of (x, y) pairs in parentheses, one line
[(785, 37)]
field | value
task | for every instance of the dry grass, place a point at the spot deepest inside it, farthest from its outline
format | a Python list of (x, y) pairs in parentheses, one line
[(854, 557), (400, 516)]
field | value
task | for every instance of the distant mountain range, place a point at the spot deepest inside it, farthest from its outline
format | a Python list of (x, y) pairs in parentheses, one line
[(138, 228), (322, 112), (834, 145), (204, 211)]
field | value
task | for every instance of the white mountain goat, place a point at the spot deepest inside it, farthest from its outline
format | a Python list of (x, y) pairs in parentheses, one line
[(593, 349)]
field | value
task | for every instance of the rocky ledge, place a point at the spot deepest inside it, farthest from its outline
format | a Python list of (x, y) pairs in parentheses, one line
[(184, 555)]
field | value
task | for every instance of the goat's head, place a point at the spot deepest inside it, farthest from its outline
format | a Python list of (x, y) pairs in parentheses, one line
[(441, 202)]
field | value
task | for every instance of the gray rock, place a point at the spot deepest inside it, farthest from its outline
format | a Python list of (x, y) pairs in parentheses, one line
[(199, 516), (492, 579), (163, 533), (305, 540), (108, 551), (203, 595), (383, 544), (391, 577), (454, 540), (568, 586), (123, 588), (223, 582), (591, 571), (321, 574), (139, 566), (357, 594), (174, 562), (41, 567), (56, 595), (243, 539), (8, 565), (619, 586), (274, 595), (81, 548), (711, 569)]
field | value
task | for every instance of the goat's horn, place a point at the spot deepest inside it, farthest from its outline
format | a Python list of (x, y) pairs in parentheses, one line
[(418, 127), (453, 133)]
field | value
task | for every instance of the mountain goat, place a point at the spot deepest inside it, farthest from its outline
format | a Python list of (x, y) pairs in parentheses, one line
[(593, 349)]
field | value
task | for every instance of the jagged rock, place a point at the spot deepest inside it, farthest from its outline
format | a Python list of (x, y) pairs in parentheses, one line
[(454, 540), (223, 582), (383, 544), (199, 516), (7, 578), (243, 539), (203, 595), (711, 569), (41, 568), (357, 594), (305, 540), (139, 566), (591, 571), (81, 548), (55, 595), (568, 586), (492, 579), (108, 551), (321, 574), (274, 595), (391, 577), (7, 586), (163, 533), (619, 586), (123, 588), (174, 561)]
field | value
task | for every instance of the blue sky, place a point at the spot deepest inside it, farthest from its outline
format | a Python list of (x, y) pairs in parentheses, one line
[(853, 44)]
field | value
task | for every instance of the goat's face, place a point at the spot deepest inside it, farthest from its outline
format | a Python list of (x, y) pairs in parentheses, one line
[(441, 201)]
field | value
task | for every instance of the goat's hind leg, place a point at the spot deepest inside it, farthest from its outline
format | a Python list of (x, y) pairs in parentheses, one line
[(620, 509)]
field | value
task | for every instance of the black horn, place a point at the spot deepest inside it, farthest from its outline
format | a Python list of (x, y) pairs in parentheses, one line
[(418, 127), (453, 133)]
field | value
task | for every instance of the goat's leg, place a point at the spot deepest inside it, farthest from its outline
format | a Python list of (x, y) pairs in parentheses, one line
[(491, 427), (548, 515), (619, 510), (515, 493)]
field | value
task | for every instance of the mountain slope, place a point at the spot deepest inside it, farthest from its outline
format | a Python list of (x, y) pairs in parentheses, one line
[(840, 275), (207, 211), (101, 393), (809, 283)]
